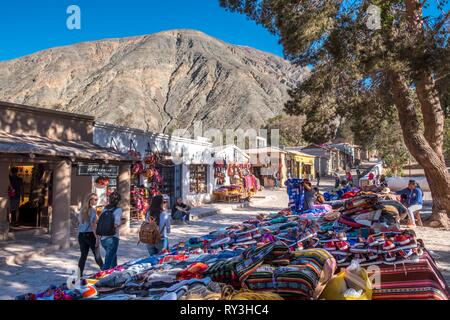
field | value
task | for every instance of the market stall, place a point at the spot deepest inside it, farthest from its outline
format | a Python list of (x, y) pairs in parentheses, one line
[(242, 183), (357, 251)]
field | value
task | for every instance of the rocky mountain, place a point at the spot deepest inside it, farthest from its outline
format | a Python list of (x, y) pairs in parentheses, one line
[(157, 82)]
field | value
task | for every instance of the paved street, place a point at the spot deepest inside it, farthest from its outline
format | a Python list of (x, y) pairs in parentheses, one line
[(39, 272)]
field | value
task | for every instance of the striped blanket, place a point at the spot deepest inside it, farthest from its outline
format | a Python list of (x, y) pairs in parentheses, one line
[(420, 280), (302, 275)]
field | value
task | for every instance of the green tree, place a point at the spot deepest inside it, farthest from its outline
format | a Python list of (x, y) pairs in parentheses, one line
[(389, 144), (355, 65), (447, 139), (290, 129)]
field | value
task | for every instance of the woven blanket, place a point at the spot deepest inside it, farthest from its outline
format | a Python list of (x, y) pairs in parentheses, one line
[(420, 280), (304, 278)]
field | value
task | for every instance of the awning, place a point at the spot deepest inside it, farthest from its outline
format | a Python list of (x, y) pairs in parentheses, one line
[(304, 159), (81, 150)]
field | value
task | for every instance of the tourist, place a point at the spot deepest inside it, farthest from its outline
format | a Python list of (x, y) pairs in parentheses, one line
[(412, 198), (349, 178), (87, 238), (181, 211), (358, 173), (15, 193), (383, 183), (309, 195), (371, 178), (164, 224), (318, 178), (155, 209), (319, 197), (108, 227), (276, 177), (337, 178), (160, 214), (154, 214)]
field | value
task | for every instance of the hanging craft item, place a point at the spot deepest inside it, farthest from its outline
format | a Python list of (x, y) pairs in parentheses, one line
[(102, 182), (138, 168), (150, 172), (150, 159), (157, 177), (230, 171)]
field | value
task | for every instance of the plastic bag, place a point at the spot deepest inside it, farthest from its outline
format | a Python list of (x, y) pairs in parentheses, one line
[(352, 283)]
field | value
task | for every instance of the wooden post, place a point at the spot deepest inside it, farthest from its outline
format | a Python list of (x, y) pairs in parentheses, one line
[(123, 187), (60, 230), (4, 212)]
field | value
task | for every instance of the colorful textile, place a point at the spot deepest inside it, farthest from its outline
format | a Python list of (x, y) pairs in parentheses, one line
[(194, 271), (420, 280), (296, 194), (304, 277)]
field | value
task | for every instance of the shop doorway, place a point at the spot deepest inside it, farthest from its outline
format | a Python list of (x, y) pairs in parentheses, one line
[(171, 180), (35, 199)]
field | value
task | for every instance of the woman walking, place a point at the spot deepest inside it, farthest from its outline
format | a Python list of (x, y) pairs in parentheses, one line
[(154, 214), (86, 232)]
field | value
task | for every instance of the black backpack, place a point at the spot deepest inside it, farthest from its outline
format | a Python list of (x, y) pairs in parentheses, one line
[(105, 224)]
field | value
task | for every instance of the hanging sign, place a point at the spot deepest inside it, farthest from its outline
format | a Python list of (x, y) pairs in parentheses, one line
[(98, 170)]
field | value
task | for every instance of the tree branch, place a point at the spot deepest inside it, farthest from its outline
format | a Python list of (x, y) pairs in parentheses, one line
[(442, 22)]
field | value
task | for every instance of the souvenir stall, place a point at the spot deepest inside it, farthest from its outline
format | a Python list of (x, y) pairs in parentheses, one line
[(139, 194), (243, 184), (267, 162), (220, 171), (354, 250), (169, 172), (36, 196), (232, 172), (154, 174)]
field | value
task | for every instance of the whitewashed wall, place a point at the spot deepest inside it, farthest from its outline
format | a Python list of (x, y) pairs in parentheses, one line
[(232, 154), (194, 151)]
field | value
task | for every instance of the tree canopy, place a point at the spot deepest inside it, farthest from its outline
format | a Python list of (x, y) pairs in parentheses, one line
[(369, 72)]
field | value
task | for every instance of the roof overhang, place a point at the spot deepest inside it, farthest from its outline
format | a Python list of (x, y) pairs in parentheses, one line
[(79, 150)]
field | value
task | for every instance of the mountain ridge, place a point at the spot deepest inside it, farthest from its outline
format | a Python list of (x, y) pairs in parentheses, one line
[(160, 82)]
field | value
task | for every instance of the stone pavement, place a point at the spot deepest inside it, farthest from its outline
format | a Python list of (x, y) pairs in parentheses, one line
[(39, 272)]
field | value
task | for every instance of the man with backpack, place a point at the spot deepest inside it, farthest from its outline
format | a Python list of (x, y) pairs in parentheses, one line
[(108, 228)]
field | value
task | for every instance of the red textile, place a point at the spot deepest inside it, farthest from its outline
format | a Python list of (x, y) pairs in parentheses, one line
[(348, 195), (180, 257), (420, 280), (195, 270)]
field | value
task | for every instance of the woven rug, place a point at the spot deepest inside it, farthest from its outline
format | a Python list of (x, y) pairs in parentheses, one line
[(420, 280)]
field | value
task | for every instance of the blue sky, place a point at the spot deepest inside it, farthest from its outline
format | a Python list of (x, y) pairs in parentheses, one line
[(33, 25)]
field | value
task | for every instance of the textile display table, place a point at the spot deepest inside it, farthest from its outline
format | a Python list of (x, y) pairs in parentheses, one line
[(233, 193), (285, 255)]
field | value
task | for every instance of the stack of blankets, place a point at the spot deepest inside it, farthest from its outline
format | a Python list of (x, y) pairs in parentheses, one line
[(286, 255)]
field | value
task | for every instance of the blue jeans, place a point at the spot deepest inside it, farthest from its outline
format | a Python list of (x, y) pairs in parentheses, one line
[(110, 245), (165, 243), (154, 249)]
